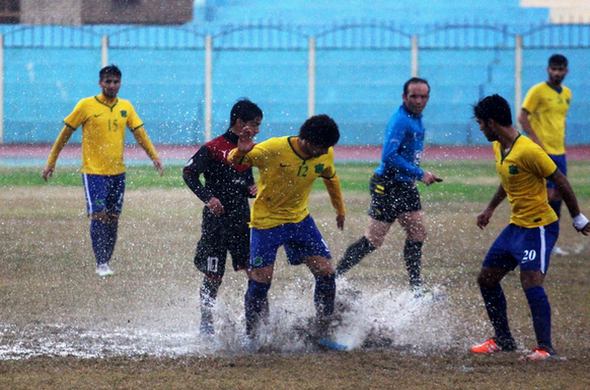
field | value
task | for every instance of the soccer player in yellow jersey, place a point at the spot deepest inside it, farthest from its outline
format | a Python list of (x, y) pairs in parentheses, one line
[(288, 167), (103, 119), (543, 118), (523, 168)]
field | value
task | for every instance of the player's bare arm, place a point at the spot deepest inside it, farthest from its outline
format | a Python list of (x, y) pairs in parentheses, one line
[(581, 223), (340, 218), (158, 166), (484, 217)]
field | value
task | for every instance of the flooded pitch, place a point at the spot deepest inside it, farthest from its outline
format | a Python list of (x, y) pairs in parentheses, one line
[(364, 319)]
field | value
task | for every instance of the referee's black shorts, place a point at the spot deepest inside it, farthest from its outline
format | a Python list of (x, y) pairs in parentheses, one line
[(390, 198)]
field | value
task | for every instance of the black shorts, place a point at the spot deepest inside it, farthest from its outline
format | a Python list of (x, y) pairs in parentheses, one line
[(220, 235), (391, 198)]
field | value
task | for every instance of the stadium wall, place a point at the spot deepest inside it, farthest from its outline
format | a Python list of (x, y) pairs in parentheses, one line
[(360, 69)]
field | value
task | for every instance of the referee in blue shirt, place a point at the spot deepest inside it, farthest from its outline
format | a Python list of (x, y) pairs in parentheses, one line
[(393, 186)]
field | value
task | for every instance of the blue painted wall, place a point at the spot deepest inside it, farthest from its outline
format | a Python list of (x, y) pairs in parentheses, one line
[(359, 84)]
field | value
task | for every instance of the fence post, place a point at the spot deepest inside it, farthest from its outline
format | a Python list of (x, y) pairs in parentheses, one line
[(208, 87), (517, 76), (104, 50), (311, 77), (1, 89), (414, 55)]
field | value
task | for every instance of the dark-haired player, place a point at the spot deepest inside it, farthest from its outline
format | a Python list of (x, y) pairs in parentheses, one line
[(103, 118), (225, 193), (543, 118), (523, 167), (288, 167)]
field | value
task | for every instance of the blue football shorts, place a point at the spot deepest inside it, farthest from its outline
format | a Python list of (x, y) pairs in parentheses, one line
[(301, 240), (561, 162), (529, 248), (104, 193)]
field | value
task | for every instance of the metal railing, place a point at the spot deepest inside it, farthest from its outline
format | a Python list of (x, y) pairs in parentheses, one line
[(273, 36)]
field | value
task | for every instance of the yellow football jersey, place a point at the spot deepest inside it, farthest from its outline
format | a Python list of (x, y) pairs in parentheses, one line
[(285, 181), (548, 110), (522, 174), (103, 133)]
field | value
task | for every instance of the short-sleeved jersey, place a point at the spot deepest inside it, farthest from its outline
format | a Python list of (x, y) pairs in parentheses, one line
[(285, 181), (548, 110), (402, 147), (103, 133), (522, 173)]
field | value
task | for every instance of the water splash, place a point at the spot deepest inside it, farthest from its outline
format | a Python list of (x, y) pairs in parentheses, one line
[(365, 318)]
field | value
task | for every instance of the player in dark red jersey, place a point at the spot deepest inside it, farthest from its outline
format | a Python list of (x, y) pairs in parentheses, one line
[(226, 214)]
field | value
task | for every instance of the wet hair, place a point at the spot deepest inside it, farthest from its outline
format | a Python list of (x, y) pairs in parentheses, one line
[(493, 107), (110, 70), (415, 80), (245, 110), (320, 131), (557, 60)]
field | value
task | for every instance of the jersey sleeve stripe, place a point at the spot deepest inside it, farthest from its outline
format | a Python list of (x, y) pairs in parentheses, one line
[(137, 127)]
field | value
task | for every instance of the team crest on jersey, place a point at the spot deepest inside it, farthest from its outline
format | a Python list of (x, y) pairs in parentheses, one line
[(257, 261), (319, 168), (124, 113), (513, 169)]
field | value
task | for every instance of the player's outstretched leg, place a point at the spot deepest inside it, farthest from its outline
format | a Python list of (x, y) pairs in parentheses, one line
[(354, 254)]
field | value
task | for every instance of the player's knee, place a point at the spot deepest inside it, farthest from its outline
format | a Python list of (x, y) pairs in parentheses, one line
[(530, 279), (212, 279), (320, 266), (484, 281), (417, 234), (100, 216), (375, 239), (262, 275)]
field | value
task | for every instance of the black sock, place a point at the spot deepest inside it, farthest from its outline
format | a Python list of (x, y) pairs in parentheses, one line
[(354, 254), (413, 256)]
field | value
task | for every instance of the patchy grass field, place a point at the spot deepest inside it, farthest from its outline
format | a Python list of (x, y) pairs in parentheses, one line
[(63, 327)]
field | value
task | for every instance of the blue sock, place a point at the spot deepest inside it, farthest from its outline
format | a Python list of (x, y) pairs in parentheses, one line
[(541, 313), (325, 292), (556, 206), (99, 235), (495, 303), (111, 238), (256, 304)]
